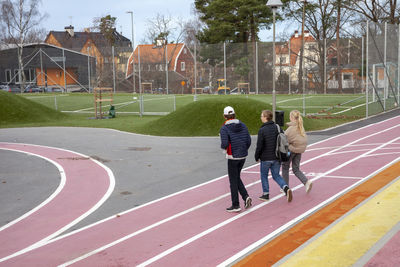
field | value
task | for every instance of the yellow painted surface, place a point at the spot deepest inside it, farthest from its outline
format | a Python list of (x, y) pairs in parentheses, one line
[(351, 238)]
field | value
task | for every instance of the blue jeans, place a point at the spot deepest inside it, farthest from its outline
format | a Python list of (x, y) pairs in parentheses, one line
[(275, 166)]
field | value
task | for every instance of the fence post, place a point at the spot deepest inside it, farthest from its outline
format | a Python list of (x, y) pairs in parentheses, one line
[(398, 66), (290, 68), (195, 67), (385, 87), (256, 68), (88, 50), (325, 66), (113, 61), (362, 62), (65, 78), (225, 66)]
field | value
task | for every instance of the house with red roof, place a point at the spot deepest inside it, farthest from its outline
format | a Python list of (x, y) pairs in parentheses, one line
[(288, 55), (156, 62)]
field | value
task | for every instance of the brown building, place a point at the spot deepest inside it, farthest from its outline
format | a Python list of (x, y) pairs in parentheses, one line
[(97, 45)]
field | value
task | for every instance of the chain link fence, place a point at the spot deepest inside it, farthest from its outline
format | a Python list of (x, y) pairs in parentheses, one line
[(383, 73), (368, 65)]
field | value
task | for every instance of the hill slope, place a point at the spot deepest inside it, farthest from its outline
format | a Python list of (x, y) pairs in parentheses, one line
[(205, 117), (15, 109)]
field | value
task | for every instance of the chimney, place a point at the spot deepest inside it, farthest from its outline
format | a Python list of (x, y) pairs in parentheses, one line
[(87, 30), (306, 33), (296, 33), (70, 30)]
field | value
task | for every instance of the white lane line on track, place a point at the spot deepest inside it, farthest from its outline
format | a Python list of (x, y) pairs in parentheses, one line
[(50, 198), (311, 174), (58, 190), (253, 247), (198, 236), (327, 153)]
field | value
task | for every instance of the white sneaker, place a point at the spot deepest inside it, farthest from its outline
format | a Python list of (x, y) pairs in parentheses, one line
[(308, 186)]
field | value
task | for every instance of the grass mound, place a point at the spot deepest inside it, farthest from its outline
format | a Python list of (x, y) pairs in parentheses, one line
[(205, 117), (17, 110)]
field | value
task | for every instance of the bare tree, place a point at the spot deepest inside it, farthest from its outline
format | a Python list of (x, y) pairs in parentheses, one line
[(20, 18), (375, 11), (322, 20)]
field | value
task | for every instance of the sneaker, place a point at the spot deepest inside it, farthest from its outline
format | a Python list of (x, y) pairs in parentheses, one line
[(233, 209), (247, 203), (308, 186), (288, 192), (264, 197)]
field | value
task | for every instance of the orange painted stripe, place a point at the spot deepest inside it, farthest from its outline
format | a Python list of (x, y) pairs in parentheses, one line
[(290, 240)]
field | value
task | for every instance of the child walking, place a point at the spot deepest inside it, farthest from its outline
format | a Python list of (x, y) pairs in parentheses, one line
[(297, 139)]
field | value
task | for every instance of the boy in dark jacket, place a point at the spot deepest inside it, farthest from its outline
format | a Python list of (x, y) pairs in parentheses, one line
[(235, 141), (265, 152)]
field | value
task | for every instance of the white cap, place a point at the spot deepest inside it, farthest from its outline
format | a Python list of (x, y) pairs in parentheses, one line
[(229, 110)]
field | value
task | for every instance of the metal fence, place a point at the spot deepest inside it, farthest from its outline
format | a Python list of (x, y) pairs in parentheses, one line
[(369, 64), (383, 72)]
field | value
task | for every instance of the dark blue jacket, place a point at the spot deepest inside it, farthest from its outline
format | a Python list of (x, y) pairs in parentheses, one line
[(235, 138), (266, 142)]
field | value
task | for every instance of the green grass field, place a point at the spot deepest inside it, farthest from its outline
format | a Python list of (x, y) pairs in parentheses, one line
[(186, 117)]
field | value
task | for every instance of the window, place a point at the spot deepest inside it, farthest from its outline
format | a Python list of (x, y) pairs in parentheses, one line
[(182, 66), (184, 51), (347, 76), (8, 76), (283, 60), (16, 75)]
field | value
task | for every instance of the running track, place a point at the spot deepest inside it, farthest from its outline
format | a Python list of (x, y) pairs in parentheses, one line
[(190, 227)]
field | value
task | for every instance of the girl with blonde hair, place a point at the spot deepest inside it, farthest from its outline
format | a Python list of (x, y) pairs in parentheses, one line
[(297, 139)]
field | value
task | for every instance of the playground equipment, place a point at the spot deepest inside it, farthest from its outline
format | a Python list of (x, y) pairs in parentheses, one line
[(221, 89), (99, 93), (243, 88), (147, 87)]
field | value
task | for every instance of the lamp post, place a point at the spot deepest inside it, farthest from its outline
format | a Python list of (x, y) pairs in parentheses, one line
[(133, 54), (302, 57), (274, 4)]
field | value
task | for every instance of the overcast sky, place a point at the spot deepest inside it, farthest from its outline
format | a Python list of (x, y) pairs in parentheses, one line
[(80, 14)]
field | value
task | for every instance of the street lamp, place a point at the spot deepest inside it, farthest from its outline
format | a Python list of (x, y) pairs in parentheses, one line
[(133, 53), (274, 4)]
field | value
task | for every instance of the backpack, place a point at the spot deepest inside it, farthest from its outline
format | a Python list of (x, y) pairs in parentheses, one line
[(282, 146)]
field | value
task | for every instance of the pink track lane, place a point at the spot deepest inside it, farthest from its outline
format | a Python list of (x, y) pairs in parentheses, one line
[(112, 229), (388, 255), (228, 239), (136, 250), (86, 183)]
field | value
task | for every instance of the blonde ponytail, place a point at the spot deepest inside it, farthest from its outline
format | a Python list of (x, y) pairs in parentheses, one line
[(295, 114)]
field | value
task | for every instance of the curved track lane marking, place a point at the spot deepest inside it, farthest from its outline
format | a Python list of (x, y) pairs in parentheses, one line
[(85, 185)]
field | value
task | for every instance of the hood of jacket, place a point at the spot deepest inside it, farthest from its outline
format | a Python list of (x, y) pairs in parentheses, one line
[(234, 125)]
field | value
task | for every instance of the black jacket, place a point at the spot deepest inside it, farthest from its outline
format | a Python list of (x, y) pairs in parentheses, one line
[(266, 142), (235, 138)]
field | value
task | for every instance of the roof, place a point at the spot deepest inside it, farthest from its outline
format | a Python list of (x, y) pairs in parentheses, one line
[(79, 39), (151, 54), (41, 45), (295, 46)]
